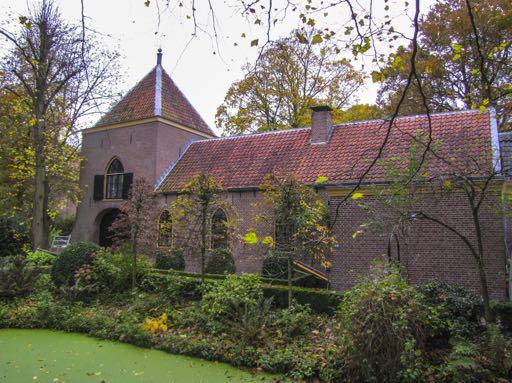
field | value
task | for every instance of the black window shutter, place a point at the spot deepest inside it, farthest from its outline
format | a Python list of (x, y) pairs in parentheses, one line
[(127, 183), (98, 187)]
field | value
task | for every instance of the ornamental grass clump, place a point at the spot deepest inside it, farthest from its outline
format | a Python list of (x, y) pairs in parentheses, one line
[(384, 325)]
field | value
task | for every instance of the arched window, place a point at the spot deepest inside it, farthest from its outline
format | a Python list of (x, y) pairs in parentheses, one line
[(219, 230), (165, 229), (114, 180)]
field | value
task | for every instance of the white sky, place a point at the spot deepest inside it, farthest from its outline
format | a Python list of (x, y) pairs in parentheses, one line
[(201, 75)]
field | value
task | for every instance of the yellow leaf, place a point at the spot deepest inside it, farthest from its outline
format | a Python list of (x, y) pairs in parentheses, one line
[(321, 179), (447, 184), (357, 195), (357, 233), (268, 241), (250, 238)]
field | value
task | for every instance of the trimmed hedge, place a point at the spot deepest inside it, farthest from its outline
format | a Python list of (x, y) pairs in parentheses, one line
[(320, 301), (170, 259)]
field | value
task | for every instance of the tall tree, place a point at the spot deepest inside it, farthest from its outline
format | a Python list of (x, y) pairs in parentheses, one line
[(61, 76), (299, 221), (192, 212), (137, 223), (464, 60), (290, 76)]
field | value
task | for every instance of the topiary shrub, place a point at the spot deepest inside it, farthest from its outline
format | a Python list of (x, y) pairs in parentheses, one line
[(12, 238), (274, 266), (384, 325), (220, 261), (70, 260), (170, 259)]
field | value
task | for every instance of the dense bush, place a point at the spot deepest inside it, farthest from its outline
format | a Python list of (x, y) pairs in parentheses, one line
[(70, 260), (63, 224), (220, 261), (170, 259), (12, 238), (17, 277), (107, 273), (503, 312), (294, 321), (459, 307), (384, 326), (237, 305), (40, 258)]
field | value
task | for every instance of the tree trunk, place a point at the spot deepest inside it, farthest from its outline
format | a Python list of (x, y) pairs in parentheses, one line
[(134, 260), (481, 266), (40, 222), (203, 240), (290, 282)]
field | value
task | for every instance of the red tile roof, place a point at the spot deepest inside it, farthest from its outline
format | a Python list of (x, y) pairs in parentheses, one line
[(142, 102), (244, 161)]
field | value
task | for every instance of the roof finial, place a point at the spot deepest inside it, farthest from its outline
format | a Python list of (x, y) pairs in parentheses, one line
[(159, 57)]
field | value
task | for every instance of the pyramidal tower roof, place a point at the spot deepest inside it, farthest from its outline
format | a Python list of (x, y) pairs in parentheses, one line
[(156, 95)]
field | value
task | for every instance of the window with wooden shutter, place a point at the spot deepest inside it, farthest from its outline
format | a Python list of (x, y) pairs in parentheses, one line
[(98, 187), (127, 184)]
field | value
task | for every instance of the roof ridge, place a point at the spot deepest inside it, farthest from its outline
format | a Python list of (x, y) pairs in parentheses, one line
[(350, 123)]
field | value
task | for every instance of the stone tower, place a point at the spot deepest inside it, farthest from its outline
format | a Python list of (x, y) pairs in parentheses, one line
[(140, 136)]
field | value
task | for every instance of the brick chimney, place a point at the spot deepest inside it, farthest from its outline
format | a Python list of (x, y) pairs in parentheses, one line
[(321, 124)]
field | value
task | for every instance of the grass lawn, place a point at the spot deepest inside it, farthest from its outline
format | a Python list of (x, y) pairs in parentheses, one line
[(53, 356)]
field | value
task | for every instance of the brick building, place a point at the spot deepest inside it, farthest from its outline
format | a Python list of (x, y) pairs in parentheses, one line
[(154, 132)]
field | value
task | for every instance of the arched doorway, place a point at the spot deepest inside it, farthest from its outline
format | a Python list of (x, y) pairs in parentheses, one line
[(106, 235)]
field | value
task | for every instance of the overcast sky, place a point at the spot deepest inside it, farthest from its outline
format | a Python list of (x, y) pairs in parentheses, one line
[(137, 31)]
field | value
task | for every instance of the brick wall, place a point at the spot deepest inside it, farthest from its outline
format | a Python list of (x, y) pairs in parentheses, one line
[(427, 250), (144, 150)]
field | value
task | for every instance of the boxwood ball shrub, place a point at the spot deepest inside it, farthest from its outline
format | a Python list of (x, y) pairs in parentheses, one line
[(70, 260), (274, 266), (220, 261), (167, 259)]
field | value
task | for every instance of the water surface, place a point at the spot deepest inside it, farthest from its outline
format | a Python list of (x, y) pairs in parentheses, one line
[(58, 357)]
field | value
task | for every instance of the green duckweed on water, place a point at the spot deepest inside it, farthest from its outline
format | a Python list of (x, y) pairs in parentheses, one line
[(58, 357)]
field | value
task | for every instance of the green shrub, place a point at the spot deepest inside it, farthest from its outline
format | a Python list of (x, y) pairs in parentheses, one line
[(236, 305), (170, 259), (220, 261), (63, 224), (503, 312), (384, 326), (17, 278), (40, 258), (108, 273), (244, 288), (459, 307), (293, 321), (12, 238), (70, 260)]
